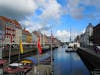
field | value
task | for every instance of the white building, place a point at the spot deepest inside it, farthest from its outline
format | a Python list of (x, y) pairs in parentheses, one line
[(88, 34), (34, 38), (85, 37)]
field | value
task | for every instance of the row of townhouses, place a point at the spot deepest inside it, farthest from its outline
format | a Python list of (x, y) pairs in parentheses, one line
[(90, 37), (11, 32)]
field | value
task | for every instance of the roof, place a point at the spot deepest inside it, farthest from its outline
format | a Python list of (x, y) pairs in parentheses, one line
[(37, 33), (97, 26), (6, 19), (17, 24), (11, 21), (26, 32)]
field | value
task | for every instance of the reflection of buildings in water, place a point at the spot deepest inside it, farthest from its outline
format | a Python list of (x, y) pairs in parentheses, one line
[(68, 63), (76, 57), (61, 53)]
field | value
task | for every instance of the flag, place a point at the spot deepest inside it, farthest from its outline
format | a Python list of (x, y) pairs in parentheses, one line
[(39, 46), (21, 47)]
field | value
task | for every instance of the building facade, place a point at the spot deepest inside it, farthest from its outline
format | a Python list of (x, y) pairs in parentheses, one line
[(34, 38), (85, 38), (96, 35), (88, 35), (18, 33), (26, 36), (9, 30)]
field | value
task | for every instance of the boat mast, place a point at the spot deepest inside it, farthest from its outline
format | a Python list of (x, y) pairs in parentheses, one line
[(51, 54), (70, 34)]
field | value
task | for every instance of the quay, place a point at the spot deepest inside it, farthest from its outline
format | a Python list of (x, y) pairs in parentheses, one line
[(90, 58), (27, 53), (43, 68)]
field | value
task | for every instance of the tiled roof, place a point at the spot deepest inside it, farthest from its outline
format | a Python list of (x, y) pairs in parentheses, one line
[(37, 33), (11, 21), (26, 32), (17, 24), (4, 18)]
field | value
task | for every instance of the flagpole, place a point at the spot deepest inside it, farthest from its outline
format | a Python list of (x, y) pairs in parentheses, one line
[(38, 63), (10, 48), (38, 42), (11, 43), (51, 56), (19, 51)]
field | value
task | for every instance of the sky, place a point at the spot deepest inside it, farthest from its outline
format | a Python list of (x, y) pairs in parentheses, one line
[(62, 17)]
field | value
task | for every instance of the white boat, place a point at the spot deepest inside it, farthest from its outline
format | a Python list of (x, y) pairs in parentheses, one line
[(69, 50)]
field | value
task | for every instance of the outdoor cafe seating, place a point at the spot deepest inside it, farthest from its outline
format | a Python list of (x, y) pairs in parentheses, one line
[(17, 68), (2, 61)]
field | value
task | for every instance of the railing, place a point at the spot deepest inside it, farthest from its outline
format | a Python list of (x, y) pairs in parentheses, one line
[(95, 72)]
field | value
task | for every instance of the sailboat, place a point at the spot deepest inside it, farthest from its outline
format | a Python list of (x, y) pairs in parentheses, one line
[(70, 45)]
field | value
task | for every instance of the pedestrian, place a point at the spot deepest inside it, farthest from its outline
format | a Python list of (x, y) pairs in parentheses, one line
[(95, 49)]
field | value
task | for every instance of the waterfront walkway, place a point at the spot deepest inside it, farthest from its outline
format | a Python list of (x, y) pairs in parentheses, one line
[(91, 51), (91, 58), (40, 70)]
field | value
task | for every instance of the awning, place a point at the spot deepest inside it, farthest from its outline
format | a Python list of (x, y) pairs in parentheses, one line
[(44, 58), (32, 59), (15, 64), (26, 61)]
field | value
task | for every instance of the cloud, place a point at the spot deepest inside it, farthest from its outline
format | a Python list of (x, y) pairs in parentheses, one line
[(30, 25), (50, 9), (21, 10), (76, 8), (63, 35), (17, 8)]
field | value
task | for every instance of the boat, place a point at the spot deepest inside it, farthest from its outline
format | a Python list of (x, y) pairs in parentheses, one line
[(70, 50)]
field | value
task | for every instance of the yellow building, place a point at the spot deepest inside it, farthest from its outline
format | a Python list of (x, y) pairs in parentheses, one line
[(26, 36), (29, 38)]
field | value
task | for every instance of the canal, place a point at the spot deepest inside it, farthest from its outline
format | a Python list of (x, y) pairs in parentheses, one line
[(68, 63)]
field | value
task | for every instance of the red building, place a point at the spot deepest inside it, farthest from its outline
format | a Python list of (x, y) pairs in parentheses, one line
[(9, 27)]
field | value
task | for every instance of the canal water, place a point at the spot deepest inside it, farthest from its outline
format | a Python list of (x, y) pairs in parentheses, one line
[(68, 63)]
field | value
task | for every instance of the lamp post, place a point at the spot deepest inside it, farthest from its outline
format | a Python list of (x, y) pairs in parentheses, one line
[(10, 48), (11, 39), (51, 54)]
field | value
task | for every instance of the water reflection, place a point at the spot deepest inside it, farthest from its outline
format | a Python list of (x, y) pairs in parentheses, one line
[(68, 63)]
